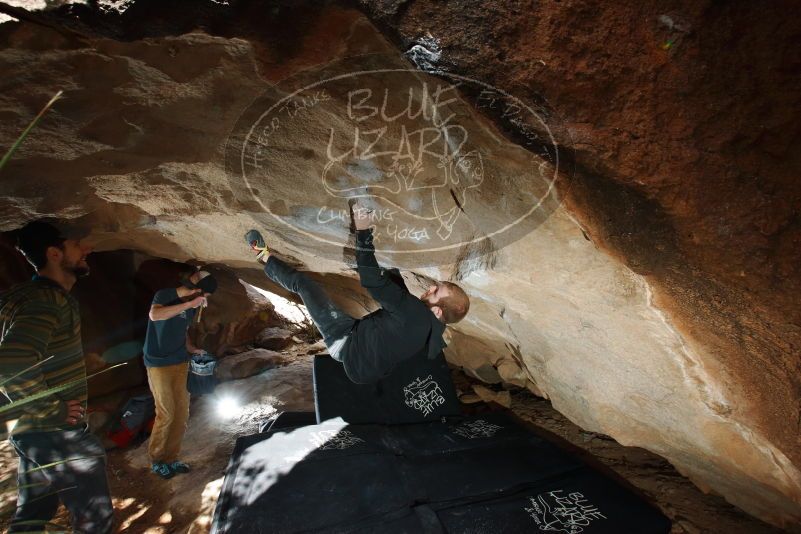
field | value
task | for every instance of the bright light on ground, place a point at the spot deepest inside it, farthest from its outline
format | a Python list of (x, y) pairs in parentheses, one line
[(228, 407)]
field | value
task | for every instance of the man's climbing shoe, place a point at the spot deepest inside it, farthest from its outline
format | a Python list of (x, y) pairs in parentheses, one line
[(163, 470), (256, 243), (179, 467)]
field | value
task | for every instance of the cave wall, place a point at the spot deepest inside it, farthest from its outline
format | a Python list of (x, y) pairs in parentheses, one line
[(657, 304), (684, 121)]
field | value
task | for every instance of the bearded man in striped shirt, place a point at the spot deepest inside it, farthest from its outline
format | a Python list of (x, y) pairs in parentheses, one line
[(60, 460)]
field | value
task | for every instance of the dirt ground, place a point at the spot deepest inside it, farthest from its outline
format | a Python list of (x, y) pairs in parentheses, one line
[(144, 503), (185, 504)]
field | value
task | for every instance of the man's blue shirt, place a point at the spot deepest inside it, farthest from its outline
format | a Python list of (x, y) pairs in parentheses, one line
[(165, 343)]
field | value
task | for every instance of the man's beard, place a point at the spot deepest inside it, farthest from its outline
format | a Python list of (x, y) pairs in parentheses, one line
[(80, 271)]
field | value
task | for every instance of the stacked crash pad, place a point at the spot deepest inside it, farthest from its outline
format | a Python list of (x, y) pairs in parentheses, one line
[(417, 390), (449, 473)]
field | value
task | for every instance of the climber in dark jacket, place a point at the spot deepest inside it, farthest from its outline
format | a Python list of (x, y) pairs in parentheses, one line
[(404, 327)]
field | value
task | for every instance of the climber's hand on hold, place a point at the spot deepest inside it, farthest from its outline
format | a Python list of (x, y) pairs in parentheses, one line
[(361, 216)]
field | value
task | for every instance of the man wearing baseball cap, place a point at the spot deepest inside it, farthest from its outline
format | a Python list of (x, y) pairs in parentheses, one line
[(40, 349), (167, 353)]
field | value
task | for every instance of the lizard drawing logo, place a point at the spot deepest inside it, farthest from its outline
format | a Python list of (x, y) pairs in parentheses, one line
[(425, 173), (446, 165)]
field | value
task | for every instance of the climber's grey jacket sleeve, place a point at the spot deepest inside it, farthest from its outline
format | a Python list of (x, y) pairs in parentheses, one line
[(380, 283)]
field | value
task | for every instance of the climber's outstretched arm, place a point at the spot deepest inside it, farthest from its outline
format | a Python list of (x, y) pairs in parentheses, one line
[(376, 280)]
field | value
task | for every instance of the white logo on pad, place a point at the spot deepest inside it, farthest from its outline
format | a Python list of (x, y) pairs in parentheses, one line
[(556, 511), (423, 394)]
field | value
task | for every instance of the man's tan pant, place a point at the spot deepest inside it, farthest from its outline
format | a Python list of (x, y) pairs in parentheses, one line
[(168, 385)]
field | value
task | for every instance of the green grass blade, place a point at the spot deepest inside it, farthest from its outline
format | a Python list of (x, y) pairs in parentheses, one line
[(13, 487), (10, 481), (52, 391), (32, 367), (24, 134), (8, 511)]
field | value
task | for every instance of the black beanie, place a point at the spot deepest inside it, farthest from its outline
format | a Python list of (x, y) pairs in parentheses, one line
[(207, 282), (35, 238)]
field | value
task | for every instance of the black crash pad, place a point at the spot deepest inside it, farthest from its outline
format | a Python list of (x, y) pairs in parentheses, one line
[(582, 501), (280, 473), (417, 390), (465, 474)]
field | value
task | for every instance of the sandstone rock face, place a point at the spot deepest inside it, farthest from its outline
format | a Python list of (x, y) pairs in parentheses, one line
[(650, 300)]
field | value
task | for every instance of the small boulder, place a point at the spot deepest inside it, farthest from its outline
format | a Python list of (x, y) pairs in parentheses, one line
[(274, 338), (248, 364)]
